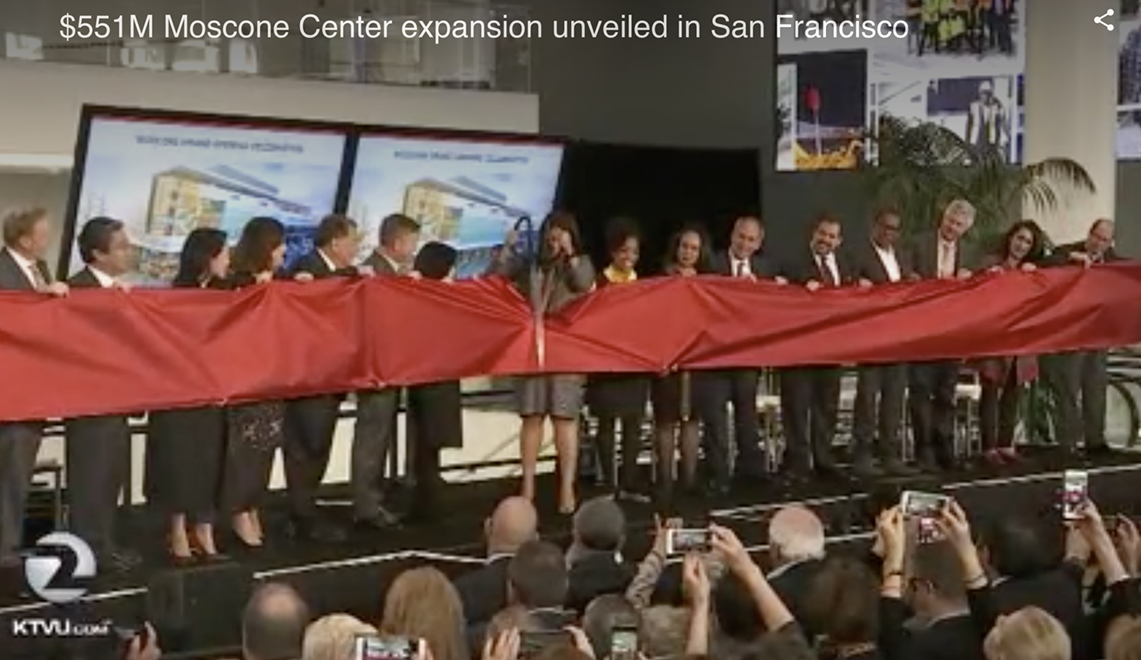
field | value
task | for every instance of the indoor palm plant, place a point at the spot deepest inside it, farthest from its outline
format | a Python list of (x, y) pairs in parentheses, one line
[(921, 166)]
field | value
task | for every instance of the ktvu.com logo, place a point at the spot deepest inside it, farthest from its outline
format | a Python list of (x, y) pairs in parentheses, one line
[(57, 570)]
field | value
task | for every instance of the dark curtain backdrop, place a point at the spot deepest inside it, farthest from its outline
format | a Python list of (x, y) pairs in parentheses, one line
[(661, 188)]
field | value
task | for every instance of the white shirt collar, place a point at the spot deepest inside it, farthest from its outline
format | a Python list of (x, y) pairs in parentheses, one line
[(784, 568), (105, 280), (23, 261), (328, 262)]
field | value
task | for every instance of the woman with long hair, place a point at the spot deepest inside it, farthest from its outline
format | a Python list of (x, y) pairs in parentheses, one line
[(619, 399), (559, 275), (185, 447), (675, 428), (1003, 379), (255, 430), (423, 604)]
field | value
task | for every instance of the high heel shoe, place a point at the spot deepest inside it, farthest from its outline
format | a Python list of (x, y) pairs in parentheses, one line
[(197, 547)]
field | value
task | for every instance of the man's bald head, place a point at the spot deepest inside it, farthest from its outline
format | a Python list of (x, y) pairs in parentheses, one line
[(513, 523), (274, 623), (795, 534), (1100, 237)]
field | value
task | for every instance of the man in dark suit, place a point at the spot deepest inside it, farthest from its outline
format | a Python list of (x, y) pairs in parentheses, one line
[(810, 396), (931, 385), (311, 422), (27, 235), (716, 390), (374, 436), (878, 413), (944, 626), (483, 591), (796, 551), (1080, 375), (98, 447)]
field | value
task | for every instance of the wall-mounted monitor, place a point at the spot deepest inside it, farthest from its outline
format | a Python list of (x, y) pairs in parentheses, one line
[(956, 64), (165, 175), (467, 191)]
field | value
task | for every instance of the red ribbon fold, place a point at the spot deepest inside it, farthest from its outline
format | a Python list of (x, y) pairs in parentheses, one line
[(109, 351)]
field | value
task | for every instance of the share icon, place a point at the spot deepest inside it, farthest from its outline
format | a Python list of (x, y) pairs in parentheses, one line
[(1100, 20)]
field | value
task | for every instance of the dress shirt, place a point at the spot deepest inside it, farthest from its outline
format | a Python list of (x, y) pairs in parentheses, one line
[(328, 262), (741, 267), (31, 270), (105, 280), (889, 261), (828, 270), (946, 259)]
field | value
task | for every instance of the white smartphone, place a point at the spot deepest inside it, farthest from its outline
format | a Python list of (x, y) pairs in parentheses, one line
[(683, 541), (916, 504), (385, 647), (1075, 493)]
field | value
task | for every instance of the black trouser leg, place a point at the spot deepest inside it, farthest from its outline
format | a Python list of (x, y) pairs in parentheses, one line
[(631, 448)]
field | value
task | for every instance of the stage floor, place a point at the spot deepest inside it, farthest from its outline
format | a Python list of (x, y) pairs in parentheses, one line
[(352, 576)]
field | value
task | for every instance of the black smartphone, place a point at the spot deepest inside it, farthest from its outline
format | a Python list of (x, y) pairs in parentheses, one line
[(532, 642), (387, 647)]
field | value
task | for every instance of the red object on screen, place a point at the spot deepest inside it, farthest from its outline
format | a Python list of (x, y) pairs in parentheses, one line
[(812, 99), (108, 351)]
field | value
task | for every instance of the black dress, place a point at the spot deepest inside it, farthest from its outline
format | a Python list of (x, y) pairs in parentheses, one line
[(185, 450), (254, 432)]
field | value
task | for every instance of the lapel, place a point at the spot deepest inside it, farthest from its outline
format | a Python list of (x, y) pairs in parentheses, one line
[(85, 279)]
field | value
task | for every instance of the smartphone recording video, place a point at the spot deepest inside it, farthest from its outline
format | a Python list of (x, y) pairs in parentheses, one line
[(1075, 493), (624, 643), (915, 504), (683, 541), (534, 642), (377, 647)]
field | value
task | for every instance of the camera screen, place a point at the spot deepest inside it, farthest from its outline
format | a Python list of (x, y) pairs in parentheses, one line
[(372, 647), (624, 644), (689, 540), (922, 505), (1075, 492)]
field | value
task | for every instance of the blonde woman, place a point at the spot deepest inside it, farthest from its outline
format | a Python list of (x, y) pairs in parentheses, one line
[(423, 604)]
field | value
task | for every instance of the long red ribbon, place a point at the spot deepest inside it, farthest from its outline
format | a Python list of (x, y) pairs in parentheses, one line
[(107, 351)]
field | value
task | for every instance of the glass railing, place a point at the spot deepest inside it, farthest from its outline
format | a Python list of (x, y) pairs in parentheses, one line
[(469, 44)]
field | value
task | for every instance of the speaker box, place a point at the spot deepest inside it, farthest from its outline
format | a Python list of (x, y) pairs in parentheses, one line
[(200, 606)]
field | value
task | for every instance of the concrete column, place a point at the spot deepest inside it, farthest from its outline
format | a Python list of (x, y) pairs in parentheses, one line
[(1071, 107)]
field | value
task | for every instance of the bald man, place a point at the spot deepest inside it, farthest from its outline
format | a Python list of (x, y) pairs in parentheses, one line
[(1077, 380), (796, 549), (274, 623), (484, 590)]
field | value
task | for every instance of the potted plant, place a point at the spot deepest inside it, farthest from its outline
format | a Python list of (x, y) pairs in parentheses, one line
[(919, 167)]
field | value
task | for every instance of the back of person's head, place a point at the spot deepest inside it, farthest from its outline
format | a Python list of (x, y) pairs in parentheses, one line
[(435, 260), (736, 611), (274, 623), (664, 631), (1017, 547), (605, 614), (1123, 639), (1028, 634), (333, 637), (843, 602), (567, 651), (537, 575), (795, 534), (784, 644), (600, 524), (423, 603), (513, 523), (935, 577)]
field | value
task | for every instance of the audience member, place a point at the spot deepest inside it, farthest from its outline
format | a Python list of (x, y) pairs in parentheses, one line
[(943, 629), (274, 623), (595, 556), (1028, 634), (602, 616), (334, 637), (537, 577), (843, 608), (664, 631), (796, 548), (422, 603), (483, 592)]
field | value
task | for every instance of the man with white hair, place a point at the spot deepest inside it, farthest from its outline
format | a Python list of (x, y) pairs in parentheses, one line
[(796, 550), (931, 385)]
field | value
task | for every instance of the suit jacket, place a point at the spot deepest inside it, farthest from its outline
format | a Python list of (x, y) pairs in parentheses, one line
[(1060, 255), (380, 265), (953, 638), (803, 266), (721, 264), (922, 255), (867, 265), (14, 278), (565, 283), (483, 591), (92, 429), (596, 574), (794, 585), (314, 264)]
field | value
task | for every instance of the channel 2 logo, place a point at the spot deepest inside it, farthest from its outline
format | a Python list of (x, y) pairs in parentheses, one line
[(58, 568)]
